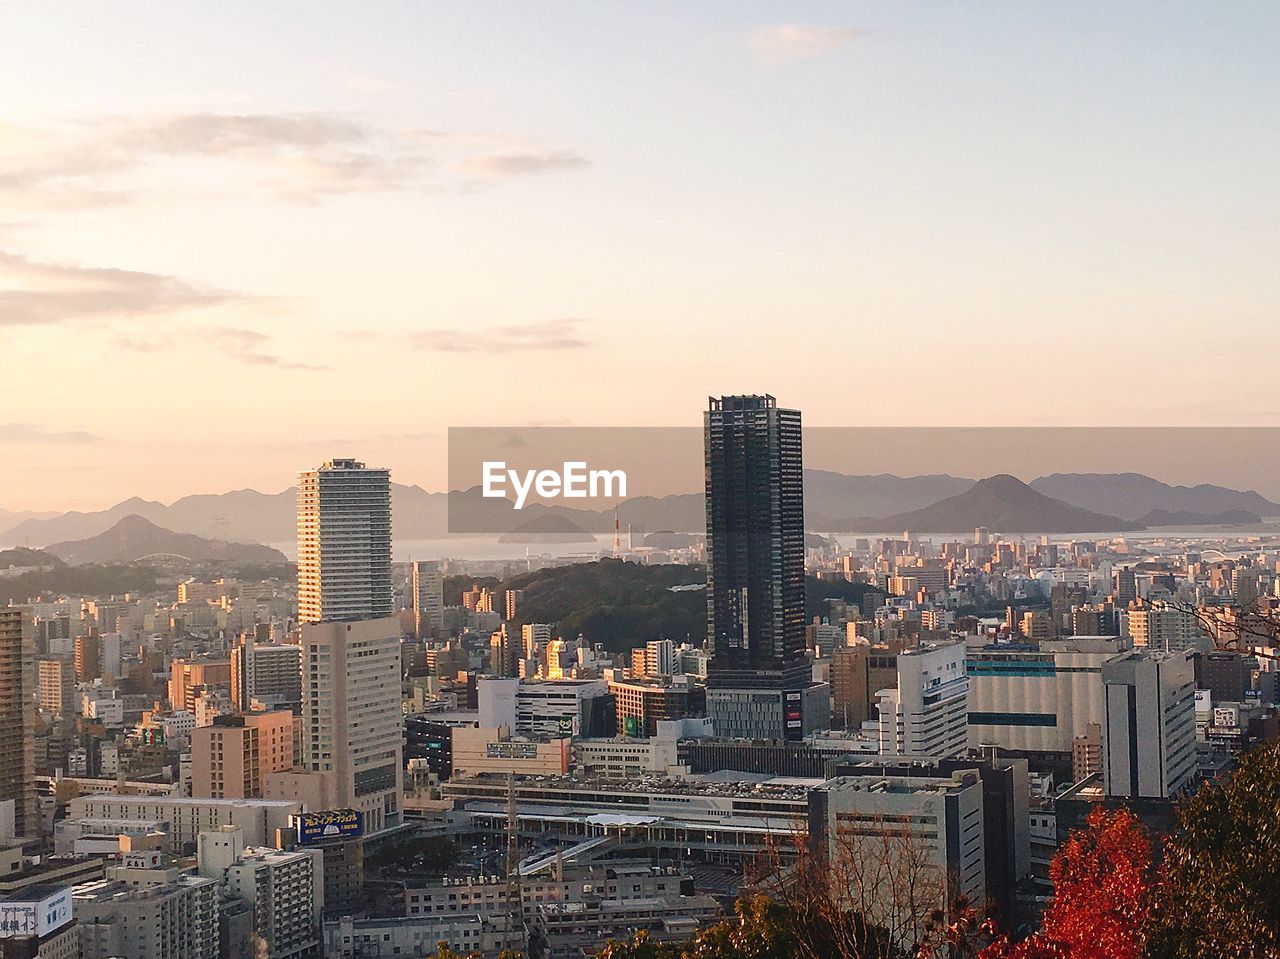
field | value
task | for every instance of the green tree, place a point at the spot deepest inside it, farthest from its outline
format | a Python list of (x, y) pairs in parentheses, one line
[(1219, 887)]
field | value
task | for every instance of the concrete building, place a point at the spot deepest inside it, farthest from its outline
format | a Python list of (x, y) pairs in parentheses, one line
[(285, 888), (147, 914), (1167, 628), (189, 678), (746, 712), (1038, 700), (344, 543), (479, 751), (231, 757), (56, 677), (927, 714), (348, 938), (640, 704), (352, 729), (908, 845), (547, 707), (37, 924), (17, 735), (1149, 731), (258, 819), (266, 673), (427, 595)]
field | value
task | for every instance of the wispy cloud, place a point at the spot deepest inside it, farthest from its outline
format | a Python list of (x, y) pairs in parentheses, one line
[(789, 42), (301, 157), (549, 335), (34, 293), (251, 347), (34, 434)]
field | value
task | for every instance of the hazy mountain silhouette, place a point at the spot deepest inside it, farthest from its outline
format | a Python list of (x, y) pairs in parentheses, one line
[(135, 537), (1132, 495), (1003, 504)]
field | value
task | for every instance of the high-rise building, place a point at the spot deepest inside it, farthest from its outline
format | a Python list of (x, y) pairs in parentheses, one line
[(755, 572), (352, 727), (344, 543), (268, 673), (57, 686), (1149, 736), (156, 913), (88, 657), (928, 713), (428, 598), (189, 678), (17, 735)]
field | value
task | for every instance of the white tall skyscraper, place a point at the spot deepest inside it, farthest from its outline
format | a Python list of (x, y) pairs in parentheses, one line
[(351, 721), (1149, 746), (344, 543), (428, 598)]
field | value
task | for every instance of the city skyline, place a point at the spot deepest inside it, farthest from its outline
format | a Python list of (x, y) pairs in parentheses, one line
[(937, 191)]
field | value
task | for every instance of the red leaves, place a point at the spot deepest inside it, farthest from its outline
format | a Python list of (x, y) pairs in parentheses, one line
[(1102, 885)]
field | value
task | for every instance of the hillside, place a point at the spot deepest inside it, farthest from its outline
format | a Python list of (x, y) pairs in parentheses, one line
[(1003, 504), (22, 558), (135, 537), (625, 604), (1132, 495)]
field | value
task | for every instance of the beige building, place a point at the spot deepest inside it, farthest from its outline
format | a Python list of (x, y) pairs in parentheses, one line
[(352, 728), (187, 677), (57, 686), (231, 757), (477, 751)]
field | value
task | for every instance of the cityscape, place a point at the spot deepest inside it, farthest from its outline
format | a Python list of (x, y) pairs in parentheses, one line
[(639, 481), (899, 735)]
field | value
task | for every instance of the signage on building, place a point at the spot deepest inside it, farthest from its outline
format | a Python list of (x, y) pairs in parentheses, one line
[(34, 918), (793, 714), (511, 750), (153, 735), (315, 826)]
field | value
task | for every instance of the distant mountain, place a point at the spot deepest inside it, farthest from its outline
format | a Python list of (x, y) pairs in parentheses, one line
[(547, 529), (10, 518), (1003, 504), (830, 496), (1230, 517), (1132, 495), (135, 537)]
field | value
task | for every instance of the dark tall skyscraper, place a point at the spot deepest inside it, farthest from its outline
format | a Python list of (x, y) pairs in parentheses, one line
[(755, 533), (755, 566)]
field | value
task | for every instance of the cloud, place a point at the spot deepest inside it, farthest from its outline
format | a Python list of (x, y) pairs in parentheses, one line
[(549, 335), (246, 346), (33, 293), (300, 157), (501, 166), (31, 433), (789, 42)]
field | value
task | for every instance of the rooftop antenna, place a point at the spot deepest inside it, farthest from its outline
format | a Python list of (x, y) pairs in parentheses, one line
[(617, 540)]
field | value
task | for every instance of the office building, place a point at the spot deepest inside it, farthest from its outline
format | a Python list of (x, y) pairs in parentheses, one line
[(352, 728), (1038, 699), (88, 653), (927, 714), (755, 571), (17, 733), (1149, 748), (231, 757), (1227, 676), (36, 923), (900, 876), (258, 819), (427, 594), (556, 707), (344, 543), (267, 673), (640, 704), (147, 914), (189, 678)]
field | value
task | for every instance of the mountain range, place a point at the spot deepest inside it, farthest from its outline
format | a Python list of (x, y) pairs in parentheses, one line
[(832, 502)]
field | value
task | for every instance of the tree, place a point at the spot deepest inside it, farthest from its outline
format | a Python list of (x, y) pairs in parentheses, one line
[(1219, 889), (1102, 880)]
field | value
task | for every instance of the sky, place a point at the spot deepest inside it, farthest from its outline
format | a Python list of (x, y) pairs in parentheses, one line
[(237, 239)]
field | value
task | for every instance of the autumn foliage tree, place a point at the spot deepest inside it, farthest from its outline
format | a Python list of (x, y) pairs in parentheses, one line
[(1102, 880)]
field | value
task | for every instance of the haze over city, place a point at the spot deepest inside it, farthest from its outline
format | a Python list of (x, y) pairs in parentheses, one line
[(239, 238)]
